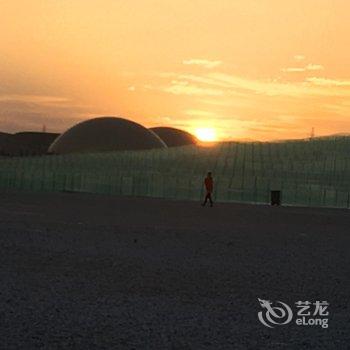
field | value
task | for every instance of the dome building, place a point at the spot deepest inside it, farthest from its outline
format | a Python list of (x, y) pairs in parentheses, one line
[(173, 137), (105, 134)]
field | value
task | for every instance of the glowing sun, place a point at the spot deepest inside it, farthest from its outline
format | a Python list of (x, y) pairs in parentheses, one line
[(205, 134)]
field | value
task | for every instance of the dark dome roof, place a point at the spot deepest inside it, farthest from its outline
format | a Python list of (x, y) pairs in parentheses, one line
[(174, 137), (105, 134)]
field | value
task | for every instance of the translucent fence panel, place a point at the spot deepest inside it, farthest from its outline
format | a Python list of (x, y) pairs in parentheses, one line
[(310, 173)]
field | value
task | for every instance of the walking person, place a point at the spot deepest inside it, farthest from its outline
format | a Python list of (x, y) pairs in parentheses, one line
[(209, 186)]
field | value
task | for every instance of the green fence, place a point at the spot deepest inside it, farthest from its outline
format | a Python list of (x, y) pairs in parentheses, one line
[(310, 173)]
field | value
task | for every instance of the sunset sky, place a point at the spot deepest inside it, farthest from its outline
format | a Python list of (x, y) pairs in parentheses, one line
[(241, 69)]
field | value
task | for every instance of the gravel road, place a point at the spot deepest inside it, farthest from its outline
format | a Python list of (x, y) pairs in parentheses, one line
[(81, 271)]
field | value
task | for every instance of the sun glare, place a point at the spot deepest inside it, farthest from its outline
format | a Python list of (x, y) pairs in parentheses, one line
[(206, 134)]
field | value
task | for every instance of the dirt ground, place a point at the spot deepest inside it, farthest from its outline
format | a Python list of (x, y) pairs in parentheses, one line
[(82, 271)]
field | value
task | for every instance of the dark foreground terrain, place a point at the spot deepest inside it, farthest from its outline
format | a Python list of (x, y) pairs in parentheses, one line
[(82, 271)]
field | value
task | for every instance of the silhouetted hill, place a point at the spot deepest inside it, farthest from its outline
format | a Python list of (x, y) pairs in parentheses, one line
[(25, 143), (34, 143), (8, 145)]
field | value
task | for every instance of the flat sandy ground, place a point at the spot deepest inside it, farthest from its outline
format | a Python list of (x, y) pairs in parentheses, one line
[(82, 271)]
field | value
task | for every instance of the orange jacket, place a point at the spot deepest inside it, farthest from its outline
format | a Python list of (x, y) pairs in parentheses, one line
[(209, 184)]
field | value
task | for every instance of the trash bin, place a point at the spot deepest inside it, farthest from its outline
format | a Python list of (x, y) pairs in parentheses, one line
[(275, 197)]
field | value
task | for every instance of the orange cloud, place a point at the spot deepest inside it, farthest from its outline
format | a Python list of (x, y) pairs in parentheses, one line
[(203, 63)]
